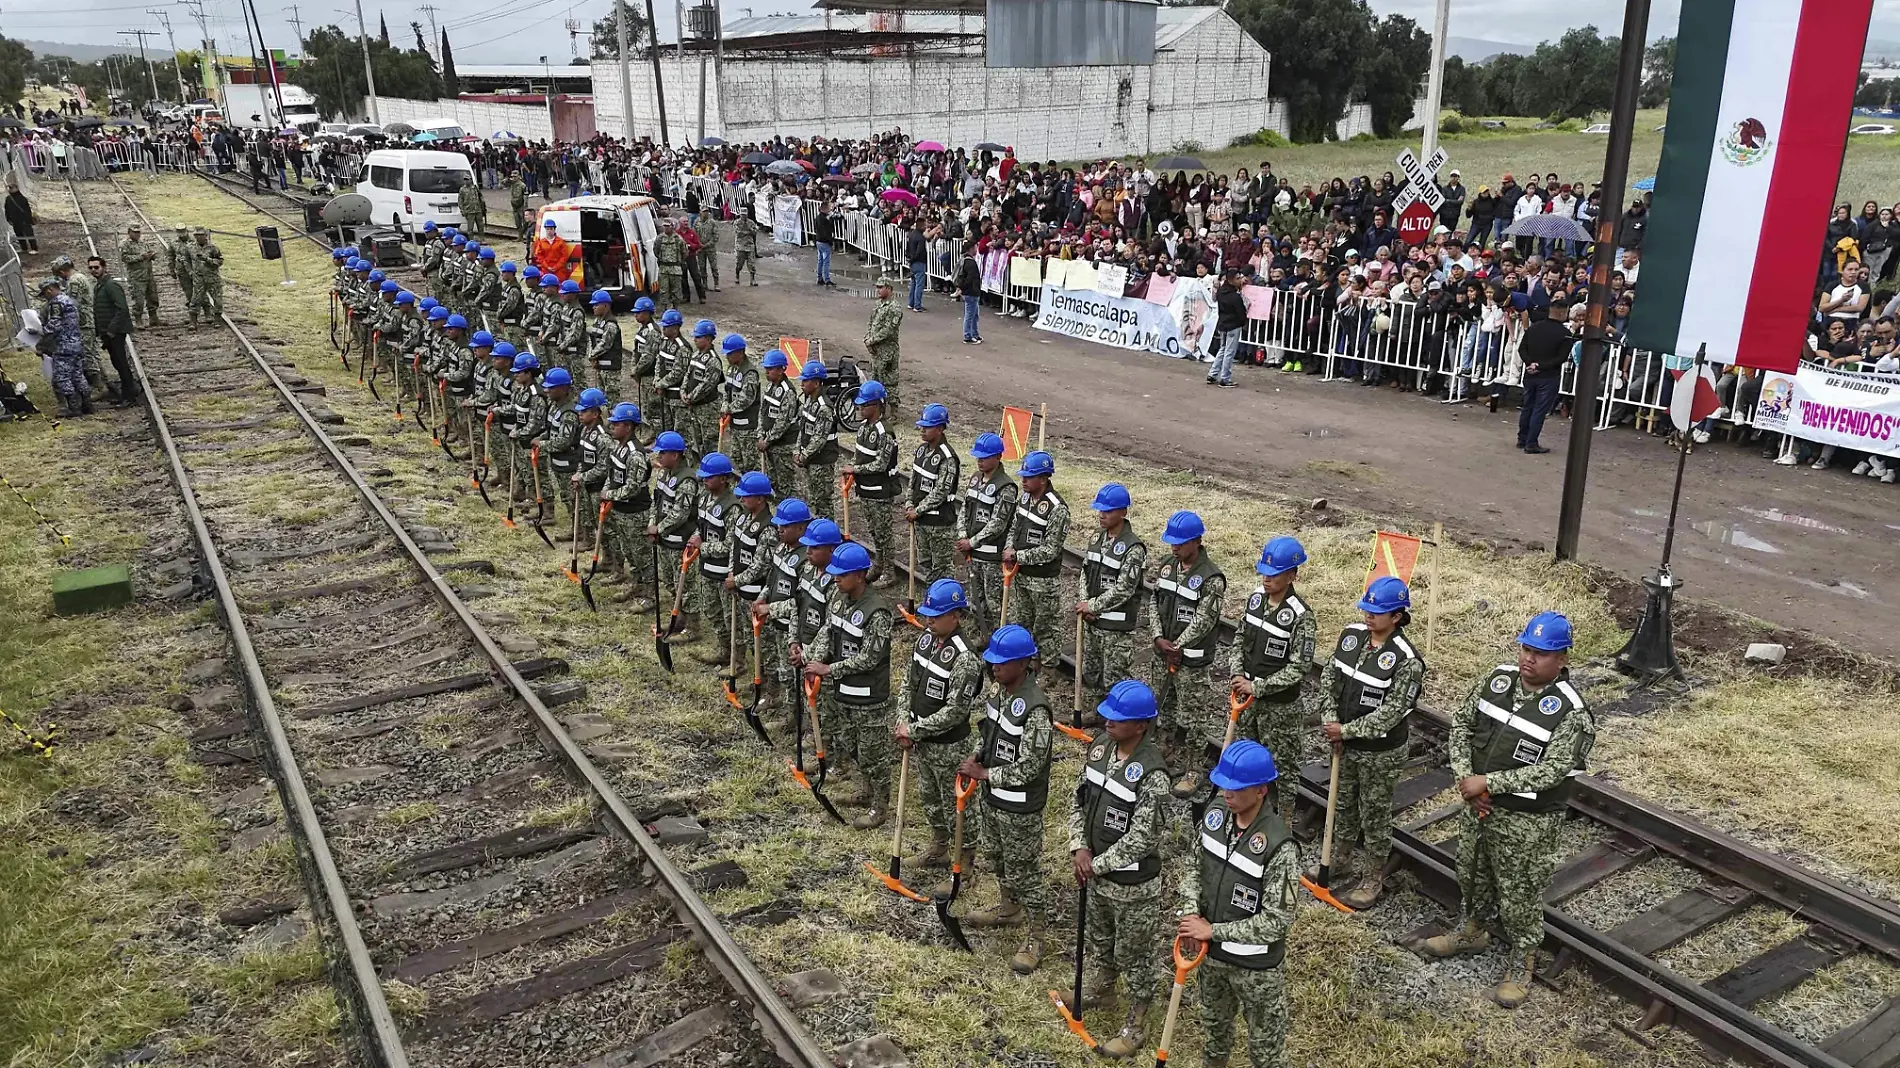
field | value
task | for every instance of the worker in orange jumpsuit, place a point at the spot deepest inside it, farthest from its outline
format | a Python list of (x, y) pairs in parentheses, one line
[(554, 254)]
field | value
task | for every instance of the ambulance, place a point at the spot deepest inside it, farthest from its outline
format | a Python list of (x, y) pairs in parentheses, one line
[(615, 235)]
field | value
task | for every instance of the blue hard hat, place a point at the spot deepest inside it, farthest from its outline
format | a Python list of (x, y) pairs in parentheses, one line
[(549, 223), (427, 302), (488, 253), (339, 253), (732, 343), (704, 328), (1183, 527), (601, 296), (670, 441), (1244, 764), (933, 415), (531, 273), (1037, 464), (460, 241), (1547, 632), (405, 298), (820, 533), (814, 370), (986, 446), (714, 464), (644, 304), (871, 392), (359, 264), (429, 227), (503, 349), (1280, 555), (448, 231), (790, 512), (1129, 699), (376, 276), (1010, 642), (570, 286), (944, 595), (624, 412), (672, 317), (389, 285), (1388, 593), (849, 557), (772, 358), (549, 281), (590, 398), (556, 376), (507, 266), (473, 245), (457, 322), (525, 362), (1111, 497), (753, 484), (438, 313), (482, 340)]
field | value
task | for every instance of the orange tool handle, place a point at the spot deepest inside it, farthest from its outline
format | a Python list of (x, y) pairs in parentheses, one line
[(1183, 966)]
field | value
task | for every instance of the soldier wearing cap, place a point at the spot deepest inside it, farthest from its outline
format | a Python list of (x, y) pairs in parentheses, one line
[(79, 287), (676, 519), (816, 450), (1110, 605), (1238, 893), (138, 255), (880, 338), (1516, 746), (178, 261), (669, 250), (936, 474), (1371, 687), (207, 277), (778, 421), (630, 503), (1271, 656), (989, 504), (605, 354), (1116, 826), (873, 471), (745, 241), (941, 688), (852, 649)]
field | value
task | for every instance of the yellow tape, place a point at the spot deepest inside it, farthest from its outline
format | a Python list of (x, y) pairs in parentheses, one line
[(39, 743), (64, 538)]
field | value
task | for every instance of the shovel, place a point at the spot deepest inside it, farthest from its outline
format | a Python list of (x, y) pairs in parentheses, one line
[(573, 571), (479, 476), (534, 466), (1075, 731), (758, 686), (442, 434), (514, 452), (817, 785), (1236, 704), (660, 648), (1074, 1019), (725, 423), (964, 788), (587, 581), (1002, 610), (844, 501), (895, 880), (729, 672), (679, 595), (908, 608), (1322, 888), (1183, 967)]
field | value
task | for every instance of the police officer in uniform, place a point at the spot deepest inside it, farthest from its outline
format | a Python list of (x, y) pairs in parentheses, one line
[(778, 421), (817, 449), (873, 470), (776, 606), (718, 509), (855, 643), (739, 400), (1187, 608), (941, 688), (1116, 824), (676, 503), (1371, 687), (625, 490), (1517, 744), (701, 378), (936, 473), (670, 358), (1037, 534), (989, 504), (1273, 650), (1110, 605), (1011, 760), (1237, 895), (751, 558), (604, 351)]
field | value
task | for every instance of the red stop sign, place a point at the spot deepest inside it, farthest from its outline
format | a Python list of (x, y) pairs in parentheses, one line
[(1416, 222)]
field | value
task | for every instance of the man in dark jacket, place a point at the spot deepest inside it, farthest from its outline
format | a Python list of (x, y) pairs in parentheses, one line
[(1629, 231), (917, 254), (1544, 348), (112, 320), (1454, 206), (970, 288), (1230, 319), (1379, 235), (1509, 193), (823, 233), (1483, 210)]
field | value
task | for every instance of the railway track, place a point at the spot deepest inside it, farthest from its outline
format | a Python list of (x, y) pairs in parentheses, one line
[(452, 835), (1624, 835)]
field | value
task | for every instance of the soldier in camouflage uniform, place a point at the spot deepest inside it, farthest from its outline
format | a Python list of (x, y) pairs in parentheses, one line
[(590, 468), (702, 378), (141, 285), (488, 288), (434, 241), (511, 317), (517, 203), (495, 409), (1011, 760), (1116, 825), (1187, 606), (505, 321), (605, 354), (873, 472), (530, 400), (541, 305), (645, 343), (718, 515), (1371, 687), (880, 339), (745, 240), (1269, 662), (474, 209), (178, 262), (936, 474), (854, 647), (670, 252), (561, 447), (675, 521), (1110, 605), (567, 330), (816, 451), (706, 225), (739, 401), (1037, 533), (79, 287), (624, 537), (207, 277), (989, 504), (778, 422), (796, 598), (670, 358), (1516, 743), (941, 688), (60, 342), (1238, 893), (751, 562)]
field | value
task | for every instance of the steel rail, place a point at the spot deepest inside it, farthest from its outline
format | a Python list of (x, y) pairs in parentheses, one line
[(788, 1036), (377, 1029)]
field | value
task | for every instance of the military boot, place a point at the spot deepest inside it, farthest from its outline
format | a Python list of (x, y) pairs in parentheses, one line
[(874, 818), (1471, 938), (635, 598), (1515, 987), (1005, 913), (715, 652), (884, 581), (1029, 957), (689, 629), (1342, 863), (1367, 892), (941, 891), (1133, 1034), (936, 855), (1097, 991)]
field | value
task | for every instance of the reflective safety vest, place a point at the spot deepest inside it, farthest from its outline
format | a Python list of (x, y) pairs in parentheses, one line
[(927, 465), (814, 592), (1364, 677), (1002, 745), (781, 583), (666, 361), (1233, 868), (871, 686), (1178, 595), (979, 507), (617, 473), (715, 513), (1511, 735), (931, 665), (524, 404), (1266, 638), (667, 489), (1102, 568), (747, 529), (772, 402), (748, 417), (567, 420), (1109, 801), (878, 486), (818, 431), (1031, 529), (603, 335)]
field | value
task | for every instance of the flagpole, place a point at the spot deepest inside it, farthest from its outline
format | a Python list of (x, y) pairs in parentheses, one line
[(1616, 165)]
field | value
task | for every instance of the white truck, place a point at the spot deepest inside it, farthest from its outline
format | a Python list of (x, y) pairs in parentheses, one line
[(254, 107)]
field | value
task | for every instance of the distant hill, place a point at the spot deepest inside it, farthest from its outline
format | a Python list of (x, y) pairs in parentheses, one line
[(1477, 50), (80, 53)]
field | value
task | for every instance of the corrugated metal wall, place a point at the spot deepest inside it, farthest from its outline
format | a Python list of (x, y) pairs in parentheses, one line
[(1070, 33)]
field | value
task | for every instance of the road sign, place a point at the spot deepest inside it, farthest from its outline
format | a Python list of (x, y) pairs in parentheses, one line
[(1416, 222), (1420, 180)]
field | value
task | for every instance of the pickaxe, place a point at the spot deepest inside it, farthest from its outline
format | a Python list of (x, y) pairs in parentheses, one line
[(895, 880)]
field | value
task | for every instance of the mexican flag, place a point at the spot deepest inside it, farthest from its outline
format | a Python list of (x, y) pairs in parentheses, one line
[(1758, 116)]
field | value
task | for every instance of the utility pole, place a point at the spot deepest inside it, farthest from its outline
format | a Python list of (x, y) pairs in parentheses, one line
[(270, 63), (626, 85), (208, 61), (142, 35), (369, 71), (435, 34), (659, 88), (165, 19), (719, 65), (1435, 81), (296, 22)]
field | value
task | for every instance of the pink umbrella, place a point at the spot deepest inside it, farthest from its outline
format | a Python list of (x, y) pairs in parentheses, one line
[(902, 196), (930, 146)]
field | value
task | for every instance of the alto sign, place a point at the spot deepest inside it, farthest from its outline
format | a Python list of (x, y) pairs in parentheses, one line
[(1419, 202), (1416, 222)]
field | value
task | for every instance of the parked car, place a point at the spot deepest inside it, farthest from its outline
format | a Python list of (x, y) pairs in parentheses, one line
[(409, 187), (1597, 128), (1491, 124), (1872, 128)]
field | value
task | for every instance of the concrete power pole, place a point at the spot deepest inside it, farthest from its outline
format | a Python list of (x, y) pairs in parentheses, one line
[(659, 88), (1435, 81), (435, 35), (165, 19), (142, 35), (626, 80), (369, 71)]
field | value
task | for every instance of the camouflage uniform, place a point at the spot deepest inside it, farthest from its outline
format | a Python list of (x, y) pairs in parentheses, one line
[(178, 261), (79, 287), (1273, 650), (432, 263), (817, 452), (474, 208), (561, 451), (1256, 990), (59, 318), (207, 279), (141, 286), (517, 203), (707, 227), (941, 688), (490, 402), (880, 340), (989, 503), (1009, 822), (778, 434), (718, 514), (605, 354), (1187, 608), (509, 313), (935, 477), (1372, 706), (645, 344), (874, 474), (534, 313), (531, 425), (671, 358), (1118, 815), (567, 335), (1037, 533), (739, 405), (625, 536), (676, 506), (860, 725), (796, 603), (1111, 579), (669, 249), (746, 240), (699, 397)]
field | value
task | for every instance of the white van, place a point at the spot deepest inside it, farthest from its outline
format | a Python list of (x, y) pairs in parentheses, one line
[(407, 188), (616, 236), (447, 131)]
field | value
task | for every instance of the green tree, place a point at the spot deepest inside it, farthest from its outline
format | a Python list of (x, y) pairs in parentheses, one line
[(1572, 79), (332, 71), (450, 85), (605, 42), (16, 60), (1463, 91), (1659, 68), (1317, 47), (384, 32), (1393, 72)]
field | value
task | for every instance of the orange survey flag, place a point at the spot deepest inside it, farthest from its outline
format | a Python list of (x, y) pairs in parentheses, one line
[(1016, 425), (1392, 554), (797, 350)]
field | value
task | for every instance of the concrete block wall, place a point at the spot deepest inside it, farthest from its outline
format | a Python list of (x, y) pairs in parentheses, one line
[(477, 117)]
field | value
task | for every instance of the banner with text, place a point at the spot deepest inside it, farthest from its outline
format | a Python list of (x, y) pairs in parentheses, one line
[(788, 225), (1124, 322), (1854, 411)]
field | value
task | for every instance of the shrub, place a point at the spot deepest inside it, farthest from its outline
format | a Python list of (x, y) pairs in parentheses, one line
[(1262, 138)]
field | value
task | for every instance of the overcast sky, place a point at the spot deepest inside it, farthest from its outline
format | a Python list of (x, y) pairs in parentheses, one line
[(518, 31)]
